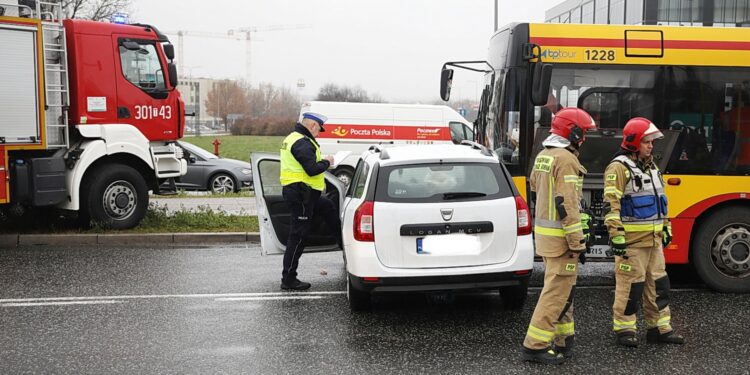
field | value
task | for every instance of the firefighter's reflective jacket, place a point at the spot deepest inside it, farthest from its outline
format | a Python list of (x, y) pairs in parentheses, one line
[(557, 181), (634, 193)]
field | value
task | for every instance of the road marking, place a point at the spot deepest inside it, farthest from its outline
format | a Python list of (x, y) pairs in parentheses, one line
[(165, 296), (270, 298), (58, 303)]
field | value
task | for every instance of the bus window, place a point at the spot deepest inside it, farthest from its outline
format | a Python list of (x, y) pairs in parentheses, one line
[(603, 107), (508, 129), (711, 108), (612, 96)]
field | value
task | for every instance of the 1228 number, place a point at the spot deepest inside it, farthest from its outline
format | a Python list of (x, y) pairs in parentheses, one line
[(600, 54)]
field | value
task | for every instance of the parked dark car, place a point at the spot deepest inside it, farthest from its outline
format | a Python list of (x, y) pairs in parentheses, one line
[(208, 172)]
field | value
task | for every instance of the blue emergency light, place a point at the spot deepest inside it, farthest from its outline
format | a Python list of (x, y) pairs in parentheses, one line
[(120, 18)]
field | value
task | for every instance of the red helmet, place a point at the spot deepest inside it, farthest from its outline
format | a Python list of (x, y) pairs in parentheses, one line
[(636, 130), (572, 124)]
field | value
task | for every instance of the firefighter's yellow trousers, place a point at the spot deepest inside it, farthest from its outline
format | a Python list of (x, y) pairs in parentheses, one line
[(553, 315), (641, 276)]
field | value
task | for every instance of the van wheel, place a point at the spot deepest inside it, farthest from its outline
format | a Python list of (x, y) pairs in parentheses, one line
[(514, 297), (721, 252), (344, 174), (358, 300)]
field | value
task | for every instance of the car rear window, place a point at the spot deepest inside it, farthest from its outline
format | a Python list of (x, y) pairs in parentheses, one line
[(428, 183)]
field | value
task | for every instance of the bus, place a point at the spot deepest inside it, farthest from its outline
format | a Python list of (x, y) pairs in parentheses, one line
[(693, 82)]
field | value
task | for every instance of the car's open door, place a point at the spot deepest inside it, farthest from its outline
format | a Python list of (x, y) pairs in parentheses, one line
[(273, 212)]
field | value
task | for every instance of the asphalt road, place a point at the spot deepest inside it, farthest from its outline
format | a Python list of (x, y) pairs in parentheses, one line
[(218, 310)]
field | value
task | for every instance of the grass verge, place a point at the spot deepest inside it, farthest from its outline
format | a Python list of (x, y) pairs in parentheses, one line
[(238, 146), (205, 194), (157, 220)]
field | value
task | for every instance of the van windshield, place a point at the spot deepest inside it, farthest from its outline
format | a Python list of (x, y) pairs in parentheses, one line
[(427, 183)]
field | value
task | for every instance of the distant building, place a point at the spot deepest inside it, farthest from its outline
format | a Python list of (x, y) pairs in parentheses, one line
[(194, 93), (717, 13)]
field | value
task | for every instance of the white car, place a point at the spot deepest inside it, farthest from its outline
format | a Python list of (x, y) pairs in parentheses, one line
[(417, 218)]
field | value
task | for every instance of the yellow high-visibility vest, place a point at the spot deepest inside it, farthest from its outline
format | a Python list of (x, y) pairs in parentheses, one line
[(291, 169)]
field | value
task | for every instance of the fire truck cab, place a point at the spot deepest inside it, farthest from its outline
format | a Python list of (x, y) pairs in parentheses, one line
[(89, 114)]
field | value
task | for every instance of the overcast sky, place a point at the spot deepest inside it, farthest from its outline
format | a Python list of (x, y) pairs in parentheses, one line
[(394, 48)]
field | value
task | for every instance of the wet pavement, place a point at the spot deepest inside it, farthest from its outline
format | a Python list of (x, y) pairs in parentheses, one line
[(218, 309)]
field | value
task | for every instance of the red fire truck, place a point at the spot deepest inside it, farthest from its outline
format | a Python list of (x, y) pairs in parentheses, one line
[(89, 114)]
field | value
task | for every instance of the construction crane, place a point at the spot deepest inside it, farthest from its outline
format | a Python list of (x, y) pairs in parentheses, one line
[(181, 34), (243, 33), (248, 31)]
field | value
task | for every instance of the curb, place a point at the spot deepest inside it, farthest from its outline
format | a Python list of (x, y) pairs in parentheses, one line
[(16, 240)]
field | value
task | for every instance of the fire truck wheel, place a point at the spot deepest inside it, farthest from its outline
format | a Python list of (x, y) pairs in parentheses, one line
[(721, 252), (115, 197)]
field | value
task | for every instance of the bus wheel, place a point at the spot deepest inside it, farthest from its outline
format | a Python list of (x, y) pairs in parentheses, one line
[(721, 252), (344, 174), (115, 197)]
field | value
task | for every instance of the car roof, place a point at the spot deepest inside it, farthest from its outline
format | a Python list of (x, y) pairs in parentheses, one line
[(417, 154)]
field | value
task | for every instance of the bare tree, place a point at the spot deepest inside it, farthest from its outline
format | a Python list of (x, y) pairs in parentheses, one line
[(331, 92), (272, 110), (96, 10), (226, 97)]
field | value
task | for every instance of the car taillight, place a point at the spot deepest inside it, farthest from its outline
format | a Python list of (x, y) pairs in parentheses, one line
[(524, 217), (364, 227)]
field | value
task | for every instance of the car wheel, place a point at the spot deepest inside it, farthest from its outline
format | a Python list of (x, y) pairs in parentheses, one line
[(358, 300), (222, 183), (514, 296), (721, 252), (115, 197), (344, 174)]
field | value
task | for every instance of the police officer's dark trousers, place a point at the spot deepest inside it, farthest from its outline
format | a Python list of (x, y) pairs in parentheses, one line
[(305, 204)]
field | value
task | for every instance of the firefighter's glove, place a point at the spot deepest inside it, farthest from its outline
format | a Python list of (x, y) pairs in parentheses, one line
[(580, 254), (666, 235), (582, 257), (618, 245), (586, 224)]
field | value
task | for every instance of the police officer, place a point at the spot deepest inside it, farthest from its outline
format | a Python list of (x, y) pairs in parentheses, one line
[(557, 181), (303, 182), (639, 229)]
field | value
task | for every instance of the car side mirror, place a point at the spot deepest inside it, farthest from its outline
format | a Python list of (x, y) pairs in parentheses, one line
[(169, 51), (446, 81), (173, 75), (192, 159), (540, 83)]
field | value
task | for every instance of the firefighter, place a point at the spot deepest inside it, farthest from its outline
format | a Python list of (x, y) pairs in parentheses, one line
[(557, 181), (303, 182), (639, 229)]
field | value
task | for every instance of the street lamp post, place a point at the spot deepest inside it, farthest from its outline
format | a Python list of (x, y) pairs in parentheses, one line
[(495, 15)]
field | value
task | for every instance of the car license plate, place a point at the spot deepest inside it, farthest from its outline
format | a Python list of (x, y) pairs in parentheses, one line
[(598, 251), (420, 249)]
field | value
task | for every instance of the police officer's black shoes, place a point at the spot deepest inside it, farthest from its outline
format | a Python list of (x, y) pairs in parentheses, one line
[(546, 356), (653, 335), (627, 339), (295, 285), (567, 350)]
